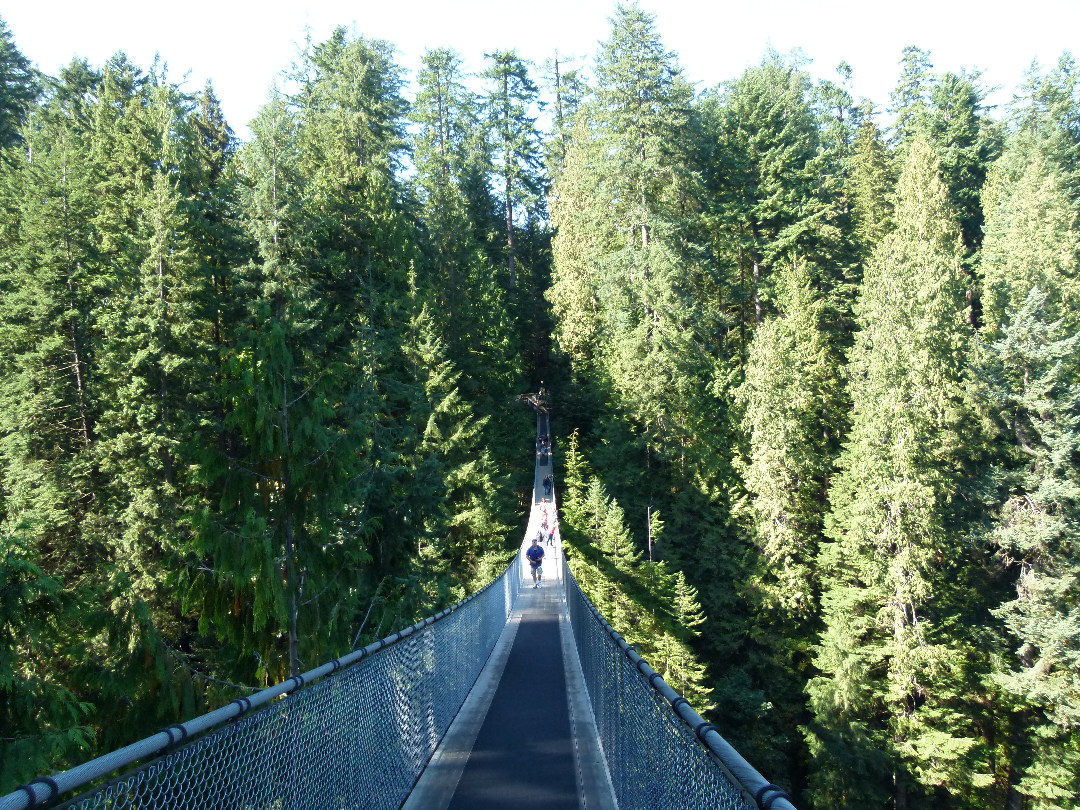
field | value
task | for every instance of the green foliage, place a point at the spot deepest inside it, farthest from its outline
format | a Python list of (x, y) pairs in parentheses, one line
[(788, 395), (889, 658), (1048, 107), (870, 187), (516, 166), (910, 98), (775, 181), (19, 86), (41, 718), (257, 401), (1028, 376), (234, 440), (653, 608), (460, 274), (1032, 372), (1031, 235), (625, 282)]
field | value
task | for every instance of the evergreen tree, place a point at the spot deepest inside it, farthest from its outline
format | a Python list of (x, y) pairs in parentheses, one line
[(948, 110), (575, 476), (442, 111), (625, 274), (457, 494), (48, 418), (1029, 375), (151, 349), (966, 144), (50, 549), (656, 611), (1031, 236), (1033, 376), (510, 102), (911, 96), (891, 658), (870, 188), (149, 359), (770, 206), (19, 86), (568, 89), (237, 581), (450, 151), (1049, 107), (789, 402), (583, 233)]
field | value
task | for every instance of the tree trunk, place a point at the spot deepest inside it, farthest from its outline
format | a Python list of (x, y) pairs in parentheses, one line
[(163, 383), (510, 232), (1013, 799), (757, 274), (290, 546), (76, 360), (509, 185), (899, 792), (757, 292), (76, 363)]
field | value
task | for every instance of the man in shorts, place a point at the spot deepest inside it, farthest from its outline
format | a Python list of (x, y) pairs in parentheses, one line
[(535, 553)]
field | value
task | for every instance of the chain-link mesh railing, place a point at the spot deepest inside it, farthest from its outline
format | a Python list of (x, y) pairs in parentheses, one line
[(660, 753), (357, 739)]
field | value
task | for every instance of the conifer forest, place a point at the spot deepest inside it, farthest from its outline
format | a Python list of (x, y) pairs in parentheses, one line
[(814, 363)]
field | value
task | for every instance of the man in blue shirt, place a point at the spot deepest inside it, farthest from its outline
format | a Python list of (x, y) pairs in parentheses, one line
[(535, 553)]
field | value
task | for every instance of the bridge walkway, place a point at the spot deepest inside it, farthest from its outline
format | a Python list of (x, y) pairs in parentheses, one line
[(525, 737), (357, 730)]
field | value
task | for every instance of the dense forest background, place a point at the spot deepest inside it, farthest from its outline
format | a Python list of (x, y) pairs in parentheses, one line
[(815, 368)]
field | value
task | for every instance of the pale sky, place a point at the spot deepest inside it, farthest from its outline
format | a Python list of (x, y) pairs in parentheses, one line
[(242, 45)]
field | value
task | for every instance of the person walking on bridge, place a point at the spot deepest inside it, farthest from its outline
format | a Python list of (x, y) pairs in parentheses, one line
[(536, 557)]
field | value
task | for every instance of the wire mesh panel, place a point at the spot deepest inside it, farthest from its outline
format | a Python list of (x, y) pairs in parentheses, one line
[(660, 754), (358, 738)]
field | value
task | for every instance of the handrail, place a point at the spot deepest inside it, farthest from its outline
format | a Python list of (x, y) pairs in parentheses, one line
[(45, 790), (757, 790)]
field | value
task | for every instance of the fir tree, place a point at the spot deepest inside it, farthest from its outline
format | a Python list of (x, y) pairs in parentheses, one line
[(966, 143), (510, 103), (583, 233), (910, 99), (451, 151), (790, 412), (870, 188), (457, 494), (1033, 377), (1049, 107), (889, 657), (767, 199), (632, 259), (1031, 236), (19, 86), (1028, 374)]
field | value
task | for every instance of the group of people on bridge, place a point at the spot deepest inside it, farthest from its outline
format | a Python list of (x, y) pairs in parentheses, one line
[(543, 448), (549, 521)]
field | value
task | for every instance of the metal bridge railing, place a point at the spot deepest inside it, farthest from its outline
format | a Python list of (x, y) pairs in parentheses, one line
[(359, 738), (660, 753)]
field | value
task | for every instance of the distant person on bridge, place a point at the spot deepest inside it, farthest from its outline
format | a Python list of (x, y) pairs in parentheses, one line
[(536, 557)]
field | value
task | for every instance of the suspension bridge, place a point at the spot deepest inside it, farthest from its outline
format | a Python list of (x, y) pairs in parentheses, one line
[(517, 696)]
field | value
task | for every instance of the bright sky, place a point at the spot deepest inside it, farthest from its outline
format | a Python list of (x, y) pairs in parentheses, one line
[(243, 45)]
